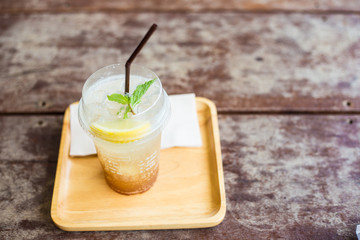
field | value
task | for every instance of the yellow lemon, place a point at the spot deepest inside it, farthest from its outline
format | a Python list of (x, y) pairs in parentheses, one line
[(120, 130)]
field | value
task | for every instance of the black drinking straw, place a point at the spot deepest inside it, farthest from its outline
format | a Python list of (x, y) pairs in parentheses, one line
[(134, 54)]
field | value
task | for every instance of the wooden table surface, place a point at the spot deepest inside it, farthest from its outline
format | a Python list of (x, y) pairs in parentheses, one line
[(284, 74)]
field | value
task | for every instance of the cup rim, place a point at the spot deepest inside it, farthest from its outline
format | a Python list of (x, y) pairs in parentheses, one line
[(137, 115), (161, 94)]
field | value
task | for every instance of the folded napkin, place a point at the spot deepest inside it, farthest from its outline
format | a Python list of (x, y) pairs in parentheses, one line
[(80, 143), (182, 130)]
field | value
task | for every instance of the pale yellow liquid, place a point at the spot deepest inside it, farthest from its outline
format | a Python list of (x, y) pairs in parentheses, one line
[(130, 168)]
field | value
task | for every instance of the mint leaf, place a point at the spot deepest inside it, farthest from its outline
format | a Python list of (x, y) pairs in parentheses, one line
[(119, 98), (132, 101), (139, 92), (127, 110)]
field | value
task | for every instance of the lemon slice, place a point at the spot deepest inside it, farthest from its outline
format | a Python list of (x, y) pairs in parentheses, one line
[(121, 130)]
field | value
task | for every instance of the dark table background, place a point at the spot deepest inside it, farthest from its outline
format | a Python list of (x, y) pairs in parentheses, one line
[(285, 76)]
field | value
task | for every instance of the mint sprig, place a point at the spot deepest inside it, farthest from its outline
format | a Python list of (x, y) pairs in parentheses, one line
[(133, 100), (119, 98)]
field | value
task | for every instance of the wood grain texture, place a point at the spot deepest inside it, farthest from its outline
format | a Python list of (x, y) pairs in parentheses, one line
[(291, 177), (243, 62), (30, 138), (180, 5)]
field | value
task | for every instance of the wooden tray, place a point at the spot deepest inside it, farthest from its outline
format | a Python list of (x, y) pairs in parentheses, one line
[(189, 191)]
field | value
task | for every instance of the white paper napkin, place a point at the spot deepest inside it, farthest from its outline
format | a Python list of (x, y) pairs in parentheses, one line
[(182, 130), (80, 143), (358, 231)]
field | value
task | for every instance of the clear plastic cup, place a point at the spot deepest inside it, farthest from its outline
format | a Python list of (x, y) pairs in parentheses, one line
[(131, 163)]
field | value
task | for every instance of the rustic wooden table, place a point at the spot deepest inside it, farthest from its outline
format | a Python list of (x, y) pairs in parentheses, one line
[(285, 76)]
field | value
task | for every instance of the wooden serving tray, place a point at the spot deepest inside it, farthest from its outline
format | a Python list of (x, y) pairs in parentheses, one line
[(189, 191)]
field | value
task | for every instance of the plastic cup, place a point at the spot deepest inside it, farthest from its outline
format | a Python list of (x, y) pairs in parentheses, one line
[(130, 164)]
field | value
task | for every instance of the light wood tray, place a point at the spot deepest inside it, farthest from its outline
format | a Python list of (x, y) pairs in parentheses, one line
[(189, 191)]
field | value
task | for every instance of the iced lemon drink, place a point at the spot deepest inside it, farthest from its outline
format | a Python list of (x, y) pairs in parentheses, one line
[(126, 134)]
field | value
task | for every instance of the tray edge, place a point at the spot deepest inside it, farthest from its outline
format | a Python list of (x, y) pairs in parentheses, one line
[(53, 212), (220, 215)]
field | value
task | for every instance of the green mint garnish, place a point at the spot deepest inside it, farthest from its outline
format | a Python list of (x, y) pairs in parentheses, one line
[(119, 98), (133, 100), (127, 110), (140, 90)]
